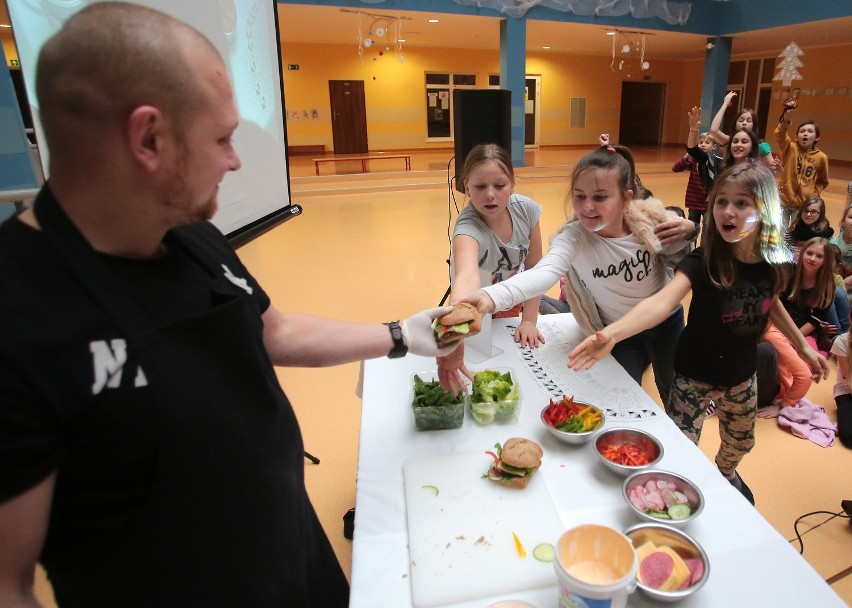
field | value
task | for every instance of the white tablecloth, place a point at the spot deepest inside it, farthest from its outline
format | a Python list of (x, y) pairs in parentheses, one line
[(751, 564)]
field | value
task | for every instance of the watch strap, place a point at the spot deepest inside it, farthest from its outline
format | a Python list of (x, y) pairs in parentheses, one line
[(399, 347)]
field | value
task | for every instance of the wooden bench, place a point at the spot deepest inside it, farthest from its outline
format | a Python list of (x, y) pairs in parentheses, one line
[(364, 160), (306, 150)]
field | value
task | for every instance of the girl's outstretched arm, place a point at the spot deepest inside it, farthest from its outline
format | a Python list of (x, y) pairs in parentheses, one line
[(483, 302), (647, 313), (721, 138), (527, 333), (452, 370), (780, 318)]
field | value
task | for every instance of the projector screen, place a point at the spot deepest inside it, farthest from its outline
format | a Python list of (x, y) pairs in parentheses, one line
[(257, 196)]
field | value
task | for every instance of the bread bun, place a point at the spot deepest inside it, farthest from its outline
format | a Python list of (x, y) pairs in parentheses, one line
[(461, 313), (521, 453)]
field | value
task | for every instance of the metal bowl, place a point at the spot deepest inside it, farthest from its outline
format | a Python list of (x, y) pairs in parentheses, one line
[(682, 544), (682, 484), (574, 438), (628, 436)]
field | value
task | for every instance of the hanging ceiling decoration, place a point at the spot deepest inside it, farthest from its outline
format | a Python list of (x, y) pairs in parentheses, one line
[(673, 13), (383, 33), (788, 68), (629, 47)]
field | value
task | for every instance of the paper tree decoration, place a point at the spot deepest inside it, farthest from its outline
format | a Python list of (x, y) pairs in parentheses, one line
[(787, 69)]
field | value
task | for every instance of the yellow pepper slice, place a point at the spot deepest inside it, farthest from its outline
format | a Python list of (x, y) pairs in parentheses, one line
[(519, 546)]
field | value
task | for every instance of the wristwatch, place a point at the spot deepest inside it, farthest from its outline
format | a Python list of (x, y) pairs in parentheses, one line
[(399, 348)]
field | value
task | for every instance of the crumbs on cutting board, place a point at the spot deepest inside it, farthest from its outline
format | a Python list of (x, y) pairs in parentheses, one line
[(479, 541)]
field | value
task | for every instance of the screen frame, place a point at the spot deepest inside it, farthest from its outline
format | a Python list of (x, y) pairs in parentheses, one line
[(275, 202), (252, 230)]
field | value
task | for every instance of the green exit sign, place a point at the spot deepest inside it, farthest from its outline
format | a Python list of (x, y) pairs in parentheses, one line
[(292, 66), (14, 63)]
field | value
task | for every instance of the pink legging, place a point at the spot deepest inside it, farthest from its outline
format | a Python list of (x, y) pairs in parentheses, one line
[(794, 375)]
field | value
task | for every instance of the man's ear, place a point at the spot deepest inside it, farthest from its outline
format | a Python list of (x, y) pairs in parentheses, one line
[(145, 128)]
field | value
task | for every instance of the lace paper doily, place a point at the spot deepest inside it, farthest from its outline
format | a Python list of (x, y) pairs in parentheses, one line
[(548, 364)]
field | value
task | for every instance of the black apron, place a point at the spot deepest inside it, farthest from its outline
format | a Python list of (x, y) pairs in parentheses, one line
[(227, 521)]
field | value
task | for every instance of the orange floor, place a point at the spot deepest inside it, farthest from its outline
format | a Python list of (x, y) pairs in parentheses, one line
[(373, 248)]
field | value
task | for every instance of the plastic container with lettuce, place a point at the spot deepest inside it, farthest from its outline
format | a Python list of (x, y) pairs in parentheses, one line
[(495, 397), (433, 408)]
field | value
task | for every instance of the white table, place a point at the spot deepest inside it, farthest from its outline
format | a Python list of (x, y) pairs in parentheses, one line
[(751, 564)]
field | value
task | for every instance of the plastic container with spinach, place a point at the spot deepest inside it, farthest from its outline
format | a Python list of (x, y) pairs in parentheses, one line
[(494, 397), (434, 408)]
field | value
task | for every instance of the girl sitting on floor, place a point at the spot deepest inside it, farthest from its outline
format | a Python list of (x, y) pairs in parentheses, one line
[(811, 222), (809, 298)]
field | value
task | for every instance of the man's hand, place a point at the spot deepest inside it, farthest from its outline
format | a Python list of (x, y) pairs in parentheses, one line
[(590, 351), (675, 231), (419, 336)]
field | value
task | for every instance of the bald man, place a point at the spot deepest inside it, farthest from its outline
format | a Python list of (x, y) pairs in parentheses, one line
[(148, 456)]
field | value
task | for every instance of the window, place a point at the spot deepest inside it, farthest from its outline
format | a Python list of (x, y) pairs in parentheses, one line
[(736, 72), (768, 71), (752, 80), (467, 80), (439, 101)]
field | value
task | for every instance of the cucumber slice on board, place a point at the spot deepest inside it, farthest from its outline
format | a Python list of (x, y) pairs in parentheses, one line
[(545, 552)]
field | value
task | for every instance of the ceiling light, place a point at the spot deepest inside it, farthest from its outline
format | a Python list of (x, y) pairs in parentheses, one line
[(6, 25), (433, 21), (400, 39), (610, 33), (545, 47)]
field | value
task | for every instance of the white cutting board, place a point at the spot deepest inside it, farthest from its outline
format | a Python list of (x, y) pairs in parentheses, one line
[(460, 541)]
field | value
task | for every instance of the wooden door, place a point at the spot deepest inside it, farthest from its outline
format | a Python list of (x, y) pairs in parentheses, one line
[(642, 110), (348, 116), (531, 98)]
